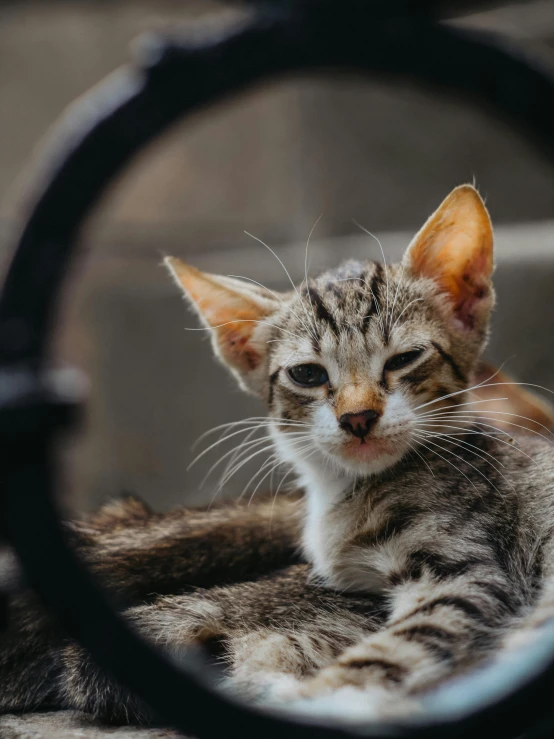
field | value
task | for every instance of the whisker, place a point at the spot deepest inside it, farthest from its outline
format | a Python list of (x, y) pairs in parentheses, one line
[(465, 430), (416, 300), (272, 461), (236, 454), (268, 461), (287, 306), (481, 473), (495, 432), (241, 464), (280, 485), (218, 442), (244, 444), (412, 447), (278, 462), (462, 460), (455, 406), (495, 373), (245, 457), (375, 301), (236, 451), (481, 385), (387, 322), (507, 413), (262, 420), (287, 473), (305, 280), (493, 436), (463, 444), (283, 266), (421, 443), (396, 294), (226, 436), (275, 341), (468, 445), (245, 320), (508, 423)]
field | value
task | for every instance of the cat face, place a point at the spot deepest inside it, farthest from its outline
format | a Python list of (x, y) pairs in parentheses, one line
[(348, 361)]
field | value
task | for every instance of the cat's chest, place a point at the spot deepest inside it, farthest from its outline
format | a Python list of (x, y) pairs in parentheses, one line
[(348, 549)]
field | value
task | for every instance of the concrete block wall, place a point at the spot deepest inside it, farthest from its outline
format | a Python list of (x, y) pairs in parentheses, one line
[(269, 162)]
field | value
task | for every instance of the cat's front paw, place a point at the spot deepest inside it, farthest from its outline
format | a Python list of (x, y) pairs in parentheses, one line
[(175, 622), (349, 703), (332, 693)]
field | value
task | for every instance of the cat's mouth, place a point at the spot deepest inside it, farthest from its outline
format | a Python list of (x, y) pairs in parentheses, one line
[(368, 448), (371, 450)]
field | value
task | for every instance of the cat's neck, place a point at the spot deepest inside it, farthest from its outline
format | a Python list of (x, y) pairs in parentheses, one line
[(324, 485), (324, 490), (337, 505)]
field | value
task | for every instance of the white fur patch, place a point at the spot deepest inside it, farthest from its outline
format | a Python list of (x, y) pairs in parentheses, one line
[(349, 704)]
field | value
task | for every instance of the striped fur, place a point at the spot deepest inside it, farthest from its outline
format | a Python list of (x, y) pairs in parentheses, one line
[(431, 508), (426, 532), (255, 615)]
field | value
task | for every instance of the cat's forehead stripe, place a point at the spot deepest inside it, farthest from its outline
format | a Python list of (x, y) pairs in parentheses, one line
[(356, 310), (321, 310), (344, 300)]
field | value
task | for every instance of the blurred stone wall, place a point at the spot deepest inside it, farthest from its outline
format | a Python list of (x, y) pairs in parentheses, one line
[(270, 162)]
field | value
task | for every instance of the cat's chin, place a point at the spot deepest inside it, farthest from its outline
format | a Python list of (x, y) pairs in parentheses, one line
[(353, 458), (372, 456)]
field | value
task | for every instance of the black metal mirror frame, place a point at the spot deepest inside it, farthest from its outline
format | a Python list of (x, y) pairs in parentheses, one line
[(173, 79)]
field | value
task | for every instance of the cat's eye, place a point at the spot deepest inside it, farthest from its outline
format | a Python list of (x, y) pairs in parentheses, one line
[(399, 361), (308, 375)]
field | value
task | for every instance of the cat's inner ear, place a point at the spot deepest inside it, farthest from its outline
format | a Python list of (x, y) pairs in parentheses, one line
[(455, 249), (233, 308)]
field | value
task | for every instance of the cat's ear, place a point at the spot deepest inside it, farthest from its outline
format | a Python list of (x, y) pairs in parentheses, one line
[(455, 249), (237, 313)]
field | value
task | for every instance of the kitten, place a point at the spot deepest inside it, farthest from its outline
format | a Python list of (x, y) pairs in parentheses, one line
[(427, 530), (411, 491)]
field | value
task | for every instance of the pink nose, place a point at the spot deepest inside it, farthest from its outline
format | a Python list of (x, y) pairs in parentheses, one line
[(359, 424)]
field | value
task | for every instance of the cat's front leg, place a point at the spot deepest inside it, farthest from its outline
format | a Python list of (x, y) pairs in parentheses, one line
[(437, 627)]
